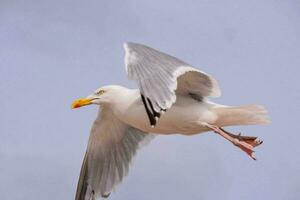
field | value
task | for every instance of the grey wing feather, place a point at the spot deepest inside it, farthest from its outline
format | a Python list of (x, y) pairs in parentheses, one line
[(111, 147), (161, 77)]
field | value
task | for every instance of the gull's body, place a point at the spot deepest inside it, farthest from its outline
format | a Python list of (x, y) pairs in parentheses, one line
[(172, 99), (184, 117)]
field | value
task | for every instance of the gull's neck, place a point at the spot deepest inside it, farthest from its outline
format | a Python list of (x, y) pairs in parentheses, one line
[(122, 99)]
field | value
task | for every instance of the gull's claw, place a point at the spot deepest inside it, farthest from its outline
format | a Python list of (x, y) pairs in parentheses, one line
[(239, 135), (245, 143)]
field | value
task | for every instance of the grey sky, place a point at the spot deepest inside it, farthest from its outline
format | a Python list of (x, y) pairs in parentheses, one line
[(52, 52)]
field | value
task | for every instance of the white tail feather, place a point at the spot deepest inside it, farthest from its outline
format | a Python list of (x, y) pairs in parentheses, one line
[(241, 115)]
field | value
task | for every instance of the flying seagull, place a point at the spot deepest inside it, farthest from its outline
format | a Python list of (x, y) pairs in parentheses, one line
[(172, 98)]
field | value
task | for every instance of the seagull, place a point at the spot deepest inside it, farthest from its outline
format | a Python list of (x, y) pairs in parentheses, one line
[(173, 98)]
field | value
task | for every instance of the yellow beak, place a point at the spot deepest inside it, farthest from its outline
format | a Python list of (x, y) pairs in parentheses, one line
[(81, 102)]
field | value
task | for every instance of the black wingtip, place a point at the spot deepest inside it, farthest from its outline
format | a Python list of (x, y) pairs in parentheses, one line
[(150, 115), (156, 114)]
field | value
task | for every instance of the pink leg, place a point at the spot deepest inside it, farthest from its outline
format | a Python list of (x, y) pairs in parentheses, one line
[(245, 143)]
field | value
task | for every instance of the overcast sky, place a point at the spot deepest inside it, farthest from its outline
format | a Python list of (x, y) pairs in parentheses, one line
[(52, 52)]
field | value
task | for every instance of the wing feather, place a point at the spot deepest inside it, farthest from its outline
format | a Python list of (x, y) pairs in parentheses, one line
[(161, 77), (111, 147)]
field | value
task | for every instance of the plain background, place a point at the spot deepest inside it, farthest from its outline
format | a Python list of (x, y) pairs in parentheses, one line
[(52, 52)]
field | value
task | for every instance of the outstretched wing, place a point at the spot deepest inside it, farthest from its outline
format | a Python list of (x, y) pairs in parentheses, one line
[(111, 147), (161, 77)]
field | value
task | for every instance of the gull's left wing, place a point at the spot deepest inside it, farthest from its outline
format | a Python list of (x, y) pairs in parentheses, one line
[(162, 77), (111, 147)]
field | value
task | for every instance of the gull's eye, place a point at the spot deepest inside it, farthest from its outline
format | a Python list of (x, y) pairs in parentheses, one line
[(100, 92)]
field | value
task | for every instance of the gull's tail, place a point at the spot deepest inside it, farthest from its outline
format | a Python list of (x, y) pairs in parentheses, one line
[(241, 115)]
